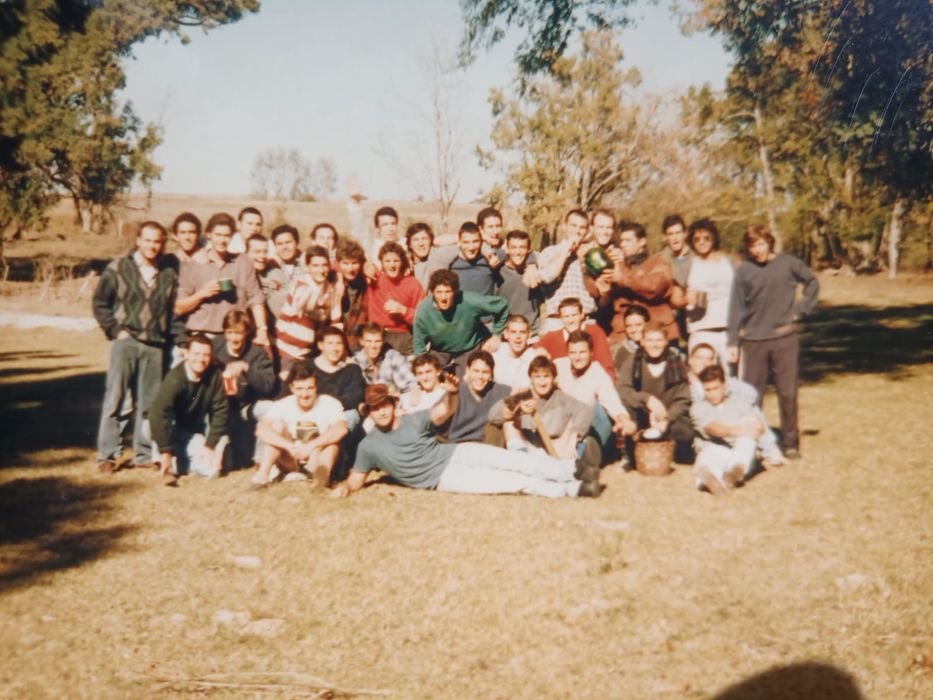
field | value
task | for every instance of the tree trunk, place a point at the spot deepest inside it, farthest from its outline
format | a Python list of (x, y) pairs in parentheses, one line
[(768, 179), (894, 236)]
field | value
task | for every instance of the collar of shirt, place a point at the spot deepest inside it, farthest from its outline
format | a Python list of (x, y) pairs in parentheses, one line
[(146, 269)]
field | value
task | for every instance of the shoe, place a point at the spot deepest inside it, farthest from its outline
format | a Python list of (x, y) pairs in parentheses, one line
[(709, 481), (773, 459), (585, 472), (590, 489), (108, 466), (792, 453), (295, 476), (169, 480), (734, 476), (257, 484)]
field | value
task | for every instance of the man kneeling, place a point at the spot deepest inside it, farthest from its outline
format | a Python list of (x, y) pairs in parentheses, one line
[(407, 448), (301, 433)]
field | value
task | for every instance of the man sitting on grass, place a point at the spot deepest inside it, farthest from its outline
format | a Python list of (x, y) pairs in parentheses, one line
[(188, 416), (478, 394), (301, 433), (407, 448), (729, 427)]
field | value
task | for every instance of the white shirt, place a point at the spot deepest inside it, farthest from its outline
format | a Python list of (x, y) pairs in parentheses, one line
[(510, 370), (325, 412), (715, 278), (594, 385)]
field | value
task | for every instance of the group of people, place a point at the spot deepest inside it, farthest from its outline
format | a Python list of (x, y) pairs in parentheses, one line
[(464, 363)]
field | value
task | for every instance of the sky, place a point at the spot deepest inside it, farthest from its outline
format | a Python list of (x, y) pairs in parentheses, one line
[(341, 79)]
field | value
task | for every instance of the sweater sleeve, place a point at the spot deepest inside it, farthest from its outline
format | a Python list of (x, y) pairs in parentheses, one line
[(261, 374), (497, 306), (631, 397), (811, 288), (105, 301), (736, 308)]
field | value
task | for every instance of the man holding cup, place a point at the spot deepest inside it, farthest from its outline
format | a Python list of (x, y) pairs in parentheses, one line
[(207, 291)]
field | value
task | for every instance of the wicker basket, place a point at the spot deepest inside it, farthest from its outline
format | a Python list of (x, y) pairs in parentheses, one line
[(654, 457)]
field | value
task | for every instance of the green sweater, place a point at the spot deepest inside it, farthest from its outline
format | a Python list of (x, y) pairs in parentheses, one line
[(461, 327), (183, 405)]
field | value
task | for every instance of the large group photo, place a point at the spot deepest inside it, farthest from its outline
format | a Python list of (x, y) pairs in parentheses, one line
[(645, 416)]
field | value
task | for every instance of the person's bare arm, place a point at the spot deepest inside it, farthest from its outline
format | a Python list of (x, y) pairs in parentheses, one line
[(447, 406), (272, 432), (353, 483), (185, 305)]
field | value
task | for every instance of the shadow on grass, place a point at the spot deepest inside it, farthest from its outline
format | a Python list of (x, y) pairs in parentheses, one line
[(802, 680), (52, 524), (45, 414), (861, 339)]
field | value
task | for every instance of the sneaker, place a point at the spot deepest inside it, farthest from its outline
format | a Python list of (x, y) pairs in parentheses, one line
[(709, 481), (792, 453), (590, 489), (734, 476), (169, 480)]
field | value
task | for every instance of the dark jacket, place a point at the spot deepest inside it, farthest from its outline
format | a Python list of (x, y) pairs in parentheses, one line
[(184, 405), (675, 392), (259, 380)]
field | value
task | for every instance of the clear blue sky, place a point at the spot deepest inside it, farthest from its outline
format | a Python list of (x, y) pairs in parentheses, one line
[(337, 77)]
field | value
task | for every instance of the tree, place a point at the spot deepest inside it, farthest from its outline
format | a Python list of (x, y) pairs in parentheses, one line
[(62, 127), (284, 173), (576, 139), (549, 26), (428, 157), (845, 91)]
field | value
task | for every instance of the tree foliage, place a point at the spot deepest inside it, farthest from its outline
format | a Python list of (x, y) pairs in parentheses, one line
[(844, 91), (62, 124), (576, 138), (549, 26)]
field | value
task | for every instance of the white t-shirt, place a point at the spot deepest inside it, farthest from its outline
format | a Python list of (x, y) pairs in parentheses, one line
[(510, 370), (426, 400), (715, 278), (324, 413)]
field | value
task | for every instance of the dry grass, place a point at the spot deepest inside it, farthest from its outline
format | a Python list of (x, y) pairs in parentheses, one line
[(816, 570)]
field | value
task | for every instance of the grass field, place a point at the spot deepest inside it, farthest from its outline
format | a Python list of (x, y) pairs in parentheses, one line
[(813, 581)]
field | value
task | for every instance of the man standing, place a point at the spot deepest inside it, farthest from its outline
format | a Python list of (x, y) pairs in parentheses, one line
[(133, 305), (272, 279), (287, 252), (477, 272), (489, 221), (511, 284), (190, 398), (561, 272), (208, 291), (643, 279), (186, 232), (451, 321), (250, 224), (407, 448), (676, 250), (763, 317)]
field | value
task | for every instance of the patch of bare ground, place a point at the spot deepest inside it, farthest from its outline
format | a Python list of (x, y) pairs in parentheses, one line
[(813, 580)]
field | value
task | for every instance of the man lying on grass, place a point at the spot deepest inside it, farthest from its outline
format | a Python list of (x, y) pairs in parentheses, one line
[(407, 448)]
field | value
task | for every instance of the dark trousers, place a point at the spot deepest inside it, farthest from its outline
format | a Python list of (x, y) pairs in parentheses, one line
[(782, 357)]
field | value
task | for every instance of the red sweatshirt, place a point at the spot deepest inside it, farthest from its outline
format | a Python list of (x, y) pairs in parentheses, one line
[(555, 342), (406, 290)]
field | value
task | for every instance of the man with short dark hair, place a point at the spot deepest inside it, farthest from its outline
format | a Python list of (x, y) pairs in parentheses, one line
[(549, 419), (186, 232), (554, 343), (301, 433), (763, 316), (511, 284), (133, 306), (272, 279), (350, 260), (477, 271), (249, 223), (642, 279), (287, 250), (188, 415), (676, 250), (380, 362), (451, 320), (489, 221), (478, 394), (386, 222), (428, 390), (206, 292), (515, 355), (407, 448)]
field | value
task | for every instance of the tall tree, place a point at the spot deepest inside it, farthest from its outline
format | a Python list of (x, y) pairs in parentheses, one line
[(575, 138), (62, 125)]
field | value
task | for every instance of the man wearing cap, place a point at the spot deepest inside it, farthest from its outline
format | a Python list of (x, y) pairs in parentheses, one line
[(406, 447)]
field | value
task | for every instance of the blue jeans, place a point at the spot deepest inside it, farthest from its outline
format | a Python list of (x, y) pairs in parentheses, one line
[(135, 370)]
